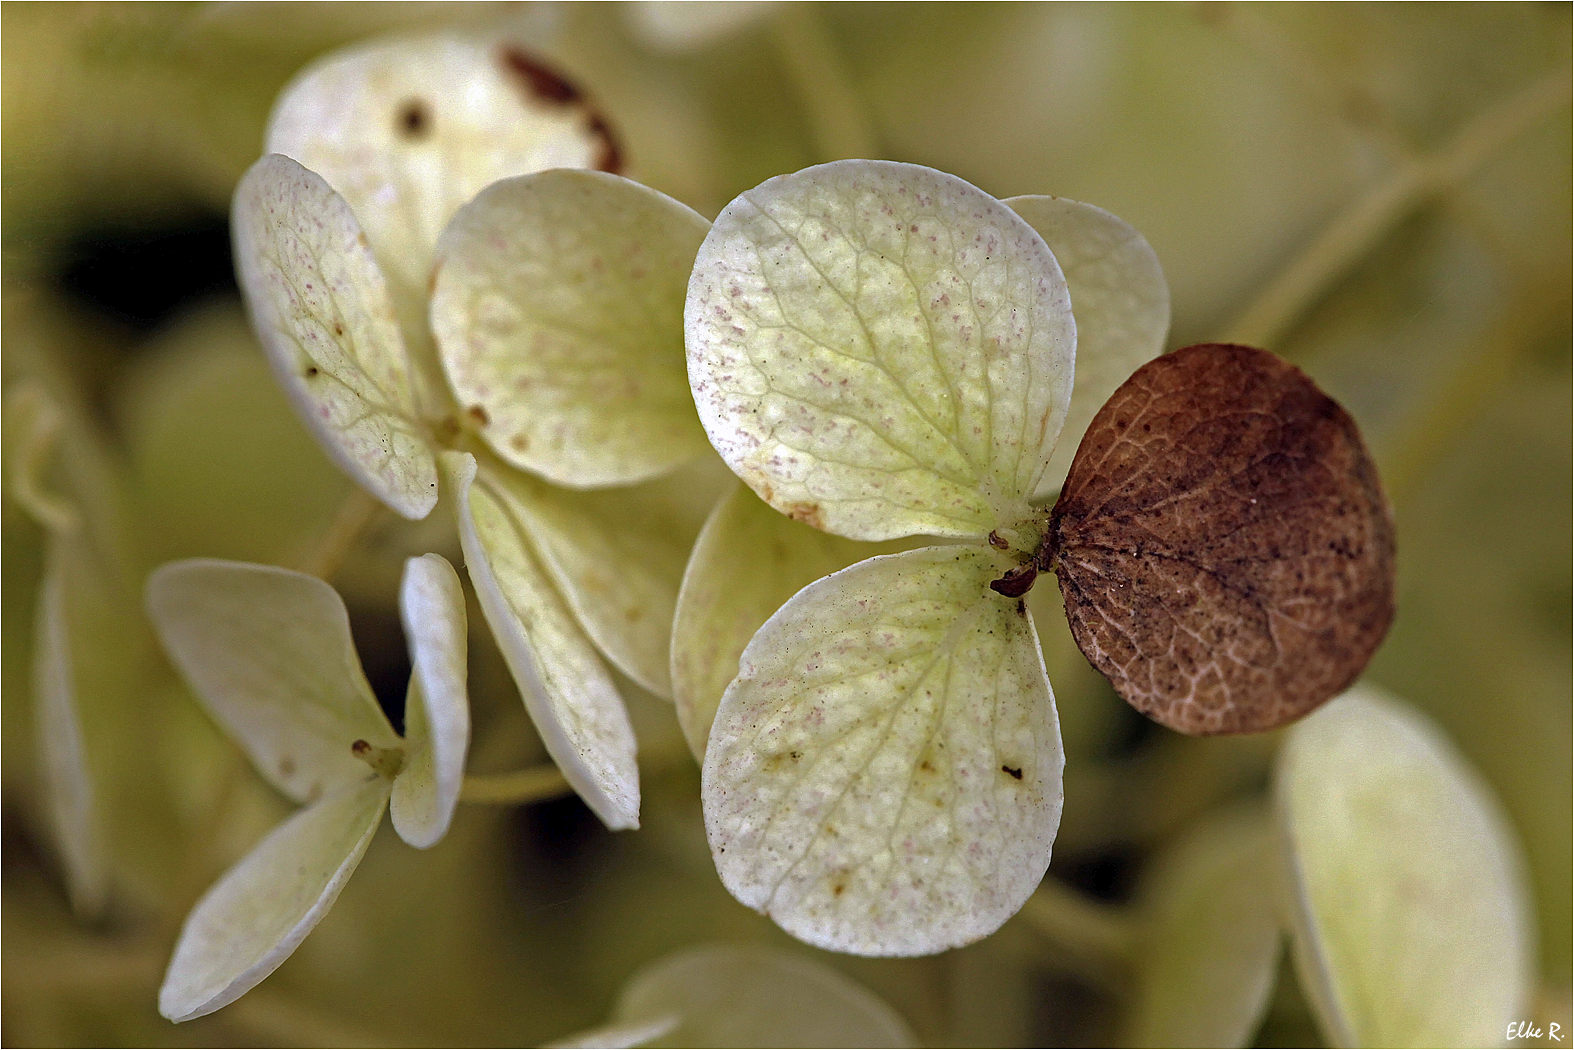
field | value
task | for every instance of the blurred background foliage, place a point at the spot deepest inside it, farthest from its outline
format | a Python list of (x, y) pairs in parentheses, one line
[(1380, 193)]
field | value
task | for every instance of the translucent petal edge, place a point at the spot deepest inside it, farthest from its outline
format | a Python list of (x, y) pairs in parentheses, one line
[(461, 470), (432, 608), (175, 1003)]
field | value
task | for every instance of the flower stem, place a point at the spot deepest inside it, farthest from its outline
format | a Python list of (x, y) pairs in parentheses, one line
[(819, 77), (1100, 936), (354, 516), (1355, 233), (516, 788)]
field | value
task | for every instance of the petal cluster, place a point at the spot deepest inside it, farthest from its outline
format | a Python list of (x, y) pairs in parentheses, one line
[(446, 315), (268, 652), (880, 350)]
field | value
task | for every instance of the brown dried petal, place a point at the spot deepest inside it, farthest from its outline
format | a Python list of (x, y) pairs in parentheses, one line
[(1222, 542)]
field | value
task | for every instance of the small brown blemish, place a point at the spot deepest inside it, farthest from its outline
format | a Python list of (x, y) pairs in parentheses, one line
[(926, 766), (360, 748), (610, 159), (542, 82), (998, 542), (1016, 582), (311, 372), (808, 513), (338, 329), (1011, 772), (839, 889), (478, 415), (414, 120), (519, 442)]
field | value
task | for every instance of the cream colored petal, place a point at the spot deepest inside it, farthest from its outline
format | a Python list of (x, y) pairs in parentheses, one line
[(269, 653), (685, 26), (747, 995), (1119, 298), (260, 911), (321, 309), (437, 707), (558, 309), (633, 1033), (884, 775), (747, 562), (407, 131), (1410, 920), (566, 688), (881, 350), (1206, 964), (617, 559)]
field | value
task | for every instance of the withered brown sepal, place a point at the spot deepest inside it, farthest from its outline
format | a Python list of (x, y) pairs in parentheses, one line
[(1222, 543)]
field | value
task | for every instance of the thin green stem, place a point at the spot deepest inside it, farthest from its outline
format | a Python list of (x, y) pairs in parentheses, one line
[(1353, 235), (1100, 936), (355, 515), (516, 788), (819, 77)]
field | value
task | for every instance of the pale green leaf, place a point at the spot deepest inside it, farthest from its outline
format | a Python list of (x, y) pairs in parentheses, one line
[(320, 307), (259, 912), (884, 776), (881, 350), (1119, 298), (437, 706), (747, 562), (1410, 924), (269, 653), (617, 559), (409, 131), (69, 796), (1207, 960), (736, 995), (558, 308), (566, 688)]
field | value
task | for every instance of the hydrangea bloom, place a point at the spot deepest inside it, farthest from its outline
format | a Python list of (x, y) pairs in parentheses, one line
[(432, 322), (882, 350)]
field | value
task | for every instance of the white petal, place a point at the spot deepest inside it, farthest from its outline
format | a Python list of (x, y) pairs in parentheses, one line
[(558, 309), (747, 562), (685, 26), (1207, 963), (617, 559), (633, 1033), (736, 995), (566, 688), (69, 795), (321, 309), (263, 907), (1411, 923), (408, 131), (884, 776), (1119, 297), (880, 350), (437, 708), (269, 652)]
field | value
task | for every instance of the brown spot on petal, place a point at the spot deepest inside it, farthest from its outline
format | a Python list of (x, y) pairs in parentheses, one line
[(414, 119), (610, 156), (541, 81), (478, 415), (808, 513), (1013, 772), (1016, 582), (1223, 544)]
